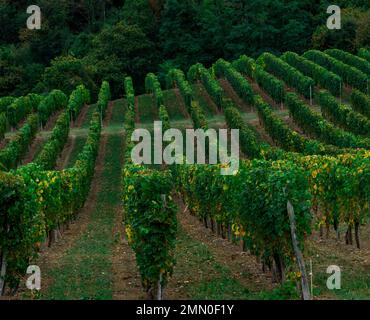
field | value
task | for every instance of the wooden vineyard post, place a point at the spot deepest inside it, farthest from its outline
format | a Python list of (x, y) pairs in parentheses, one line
[(298, 254), (160, 291)]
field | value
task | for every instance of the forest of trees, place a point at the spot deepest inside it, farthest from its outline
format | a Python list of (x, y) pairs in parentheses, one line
[(88, 41)]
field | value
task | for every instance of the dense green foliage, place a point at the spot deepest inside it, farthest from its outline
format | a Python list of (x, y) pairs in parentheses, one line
[(239, 83), (292, 77), (313, 123), (21, 108), (35, 202), (361, 102), (129, 92), (249, 144), (54, 102), (79, 98), (104, 98), (151, 225), (87, 42), (50, 152), (350, 75), (322, 77), (365, 54), (253, 202), (153, 86), (342, 115), (13, 152), (176, 78), (350, 59), (198, 72), (150, 214)]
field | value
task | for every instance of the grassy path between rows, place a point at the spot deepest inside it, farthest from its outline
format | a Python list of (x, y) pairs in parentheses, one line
[(81, 265)]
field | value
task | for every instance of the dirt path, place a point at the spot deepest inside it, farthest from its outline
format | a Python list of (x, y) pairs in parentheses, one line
[(203, 92), (126, 278), (234, 96), (206, 263), (40, 139), (51, 256), (262, 133), (181, 104), (93, 260), (65, 155), (81, 117)]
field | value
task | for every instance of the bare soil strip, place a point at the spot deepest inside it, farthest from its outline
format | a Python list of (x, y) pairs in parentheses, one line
[(234, 96), (181, 104), (203, 92), (243, 266), (81, 117)]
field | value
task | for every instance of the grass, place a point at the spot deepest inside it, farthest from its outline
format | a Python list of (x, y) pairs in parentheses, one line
[(84, 272), (90, 112), (118, 114), (204, 278), (77, 148)]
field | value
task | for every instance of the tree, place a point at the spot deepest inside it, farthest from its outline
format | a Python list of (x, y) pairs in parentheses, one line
[(66, 73), (121, 50)]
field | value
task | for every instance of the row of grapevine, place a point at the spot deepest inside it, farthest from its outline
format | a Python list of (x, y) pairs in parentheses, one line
[(50, 152), (14, 151), (79, 97), (36, 202), (350, 59), (4, 103), (129, 92), (265, 80), (153, 86), (315, 124), (52, 103), (22, 107), (249, 144), (3, 125), (198, 72), (48, 156), (292, 77), (285, 137), (176, 78), (253, 204), (149, 217), (349, 75), (320, 75), (242, 87), (361, 103), (342, 115), (103, 98), (324, 198), (364, 53), (340, 189)]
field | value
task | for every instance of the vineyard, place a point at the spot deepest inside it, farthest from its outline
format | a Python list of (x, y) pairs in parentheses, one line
[(101, 227)]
